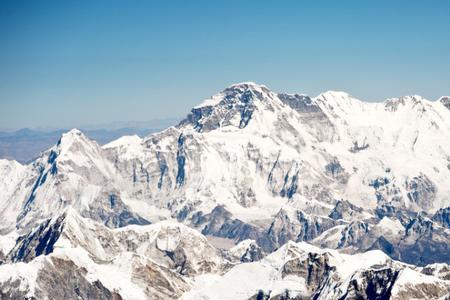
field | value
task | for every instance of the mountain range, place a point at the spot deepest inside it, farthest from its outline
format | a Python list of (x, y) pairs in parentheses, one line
[(254, 195), (24, 145)]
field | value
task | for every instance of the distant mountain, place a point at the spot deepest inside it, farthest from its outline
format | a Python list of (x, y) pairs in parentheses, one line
[(26, 144), (254, 195)]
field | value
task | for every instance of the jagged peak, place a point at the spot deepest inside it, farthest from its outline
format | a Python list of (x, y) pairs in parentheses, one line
[(294, 95), (73, 132), (234, 90), (68, 148), (246, 85), (70, 136), (293, 249), (407, 98), (392, 104), (240, 99), (73, 136), (445, 100), (244, 89)]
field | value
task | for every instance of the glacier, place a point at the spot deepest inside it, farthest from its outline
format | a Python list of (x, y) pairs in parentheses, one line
[(254, 195)]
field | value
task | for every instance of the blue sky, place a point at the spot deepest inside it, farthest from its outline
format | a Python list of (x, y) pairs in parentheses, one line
[(69, 63)]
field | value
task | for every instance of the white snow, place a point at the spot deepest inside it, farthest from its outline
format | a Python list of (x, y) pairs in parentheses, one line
[(243, 169), (393, 226), (130, 147)]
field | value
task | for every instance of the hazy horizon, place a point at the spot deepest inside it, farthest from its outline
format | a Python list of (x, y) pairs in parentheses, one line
[(158, 123)]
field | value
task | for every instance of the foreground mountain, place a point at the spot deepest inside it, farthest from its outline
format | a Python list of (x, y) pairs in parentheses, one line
[(247, 167), (69, 257)]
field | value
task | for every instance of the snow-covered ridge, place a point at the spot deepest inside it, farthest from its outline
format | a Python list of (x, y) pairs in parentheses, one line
[(334, 97), (170, 260), (252, 168), (298, 270), (216, 99), (334, 122)]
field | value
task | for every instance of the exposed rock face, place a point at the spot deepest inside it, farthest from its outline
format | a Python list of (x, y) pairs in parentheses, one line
[(38, 242), (421, 191), (82, 258), (253, 253), (296, 226), (335, 170), (345, 210), (246, 251), (352, 233), (445, 101), (442, 217), (63, 279), (387, 190), (234, 107), (315, 269), (371, 284), (221, 224), (116, 214), (158, 262), (311, 114), (247, 164), (440, 270), (299, 271), (423, 236)]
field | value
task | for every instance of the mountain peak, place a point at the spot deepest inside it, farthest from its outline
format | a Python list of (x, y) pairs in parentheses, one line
[(246, 89), (72, 135), (74, 141), (338, 101), (235, 91), (335, 94), (247, 85), (413, 101), (337, 98), (233, 106)]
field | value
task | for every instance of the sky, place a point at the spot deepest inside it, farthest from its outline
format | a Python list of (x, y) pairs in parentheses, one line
[(72, 63)]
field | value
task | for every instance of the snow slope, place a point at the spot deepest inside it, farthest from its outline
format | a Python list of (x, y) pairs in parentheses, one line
[(253, 166)]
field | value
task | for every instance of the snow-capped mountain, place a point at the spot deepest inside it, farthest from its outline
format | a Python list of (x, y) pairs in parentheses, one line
[(71, 257), (247, 167)]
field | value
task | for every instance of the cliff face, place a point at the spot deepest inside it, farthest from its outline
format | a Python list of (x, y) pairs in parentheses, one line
[(247, 164)]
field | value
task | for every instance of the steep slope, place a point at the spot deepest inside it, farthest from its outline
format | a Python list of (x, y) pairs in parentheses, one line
[(11, 175), (320, 151), (302, 271), (72, 257), (69, 256), (72, 173), (253, 164)]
